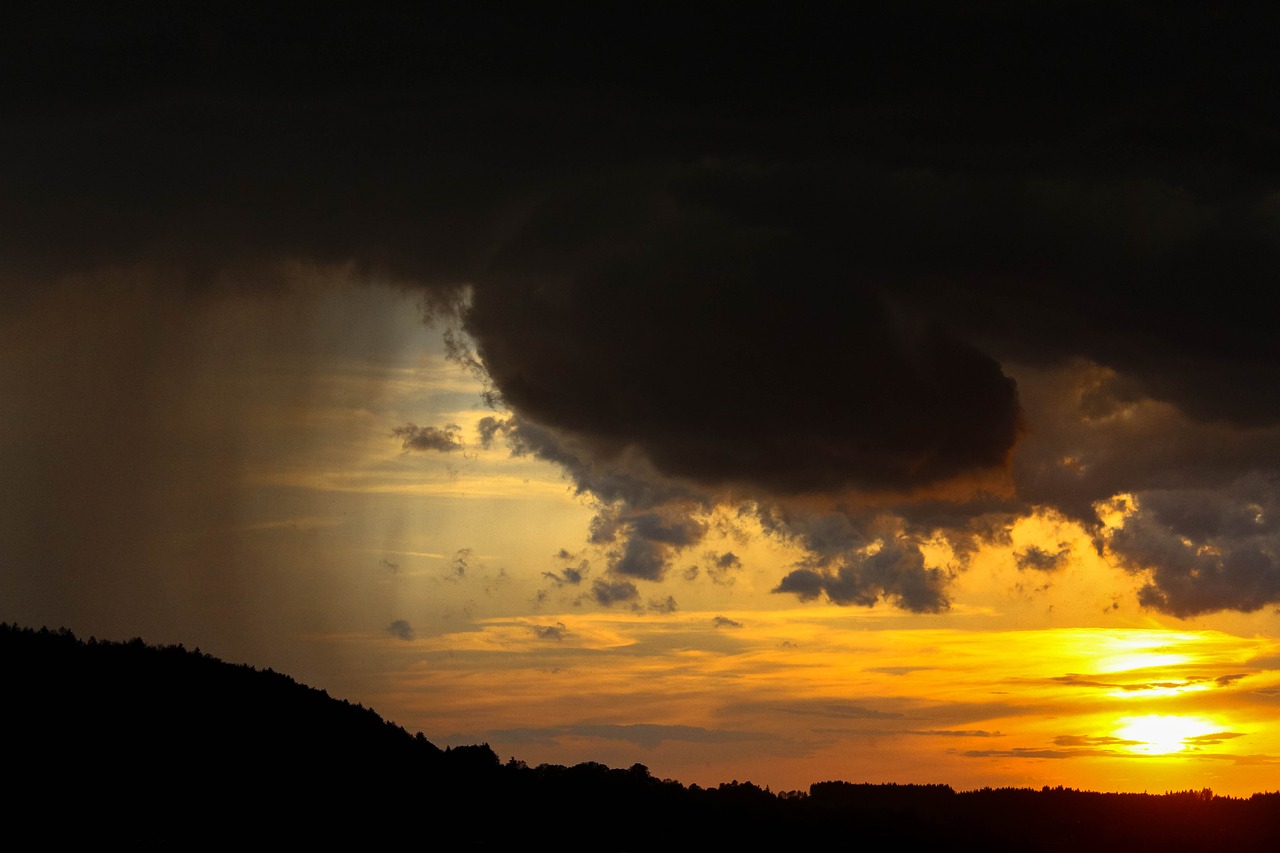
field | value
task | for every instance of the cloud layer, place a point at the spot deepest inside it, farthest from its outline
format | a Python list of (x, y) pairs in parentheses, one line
[(932, 271)]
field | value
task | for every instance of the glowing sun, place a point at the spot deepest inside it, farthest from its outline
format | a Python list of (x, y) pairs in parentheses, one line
[(1158, 734)]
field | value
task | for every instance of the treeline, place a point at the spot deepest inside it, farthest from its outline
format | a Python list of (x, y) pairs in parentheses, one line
[(125, 741)]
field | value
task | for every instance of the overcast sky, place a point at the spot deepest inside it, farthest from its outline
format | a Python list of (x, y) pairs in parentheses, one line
[(456, 359)]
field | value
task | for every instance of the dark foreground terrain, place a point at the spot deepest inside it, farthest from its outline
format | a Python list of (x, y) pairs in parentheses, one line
[(167, 747)]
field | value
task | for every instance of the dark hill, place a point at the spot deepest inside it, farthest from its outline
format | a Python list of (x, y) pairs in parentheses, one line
[(133, 741), (163, 746)]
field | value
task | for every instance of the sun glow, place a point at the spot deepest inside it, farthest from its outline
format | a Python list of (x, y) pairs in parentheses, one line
[(1160, 734), (1142, 650)]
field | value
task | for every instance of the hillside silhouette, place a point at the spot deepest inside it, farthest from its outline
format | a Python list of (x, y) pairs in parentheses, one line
[(161, 745)]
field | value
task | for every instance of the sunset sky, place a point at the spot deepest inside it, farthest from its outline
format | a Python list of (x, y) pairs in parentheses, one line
[(760, 395)]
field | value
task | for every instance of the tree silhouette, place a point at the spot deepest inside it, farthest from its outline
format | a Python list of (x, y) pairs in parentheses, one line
[(127, 742)]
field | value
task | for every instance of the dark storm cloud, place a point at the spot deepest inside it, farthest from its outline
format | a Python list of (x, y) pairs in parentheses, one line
[(787, 379), (443, 439), (1199, 519), (1092, 440), (722, 278)]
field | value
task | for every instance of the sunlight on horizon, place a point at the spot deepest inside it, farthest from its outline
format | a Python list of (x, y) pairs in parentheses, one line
[(819, 692), (460, 593), (1164, 734)]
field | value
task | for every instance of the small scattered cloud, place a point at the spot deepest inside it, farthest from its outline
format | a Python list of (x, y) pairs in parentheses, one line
[(490, 428), (643, 536), (667, 605), (722, 567), (898, 670), (610, 593), (1136, 686), (1041, 560), (400, 629), (1092, 740), (459, 564), (650, 540), (852, 563), (1211, 739), (1042, 753), (549, 632), (441, 439), (725, 622), (845, 711), (569, 575), (648, 735), (1091, 746)]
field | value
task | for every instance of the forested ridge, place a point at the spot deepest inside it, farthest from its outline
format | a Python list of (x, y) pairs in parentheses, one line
[(127, 741)]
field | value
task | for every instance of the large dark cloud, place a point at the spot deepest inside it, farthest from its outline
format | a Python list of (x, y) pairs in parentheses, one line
[(721, 258), (728, 351)]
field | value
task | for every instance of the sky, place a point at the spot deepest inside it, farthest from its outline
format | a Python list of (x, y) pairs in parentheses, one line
[(756, 394)]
